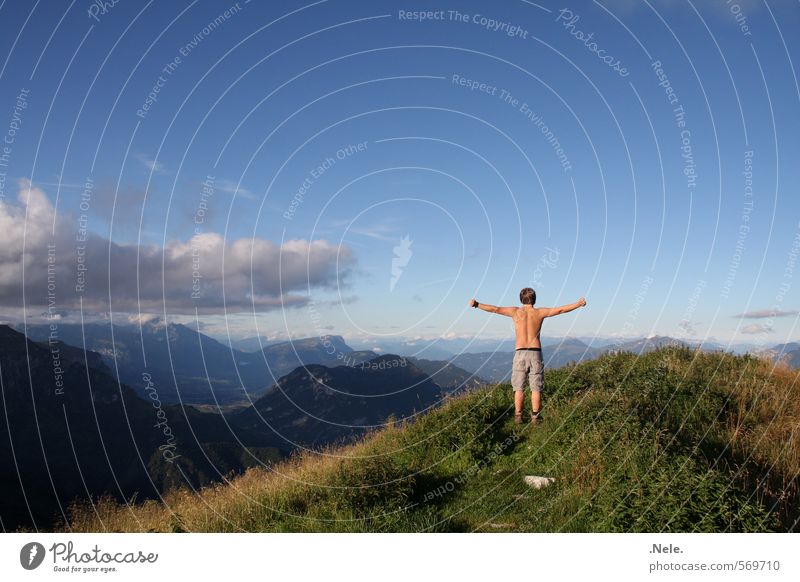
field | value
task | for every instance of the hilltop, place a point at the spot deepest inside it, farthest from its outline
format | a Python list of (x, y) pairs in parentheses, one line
[(673, 440)]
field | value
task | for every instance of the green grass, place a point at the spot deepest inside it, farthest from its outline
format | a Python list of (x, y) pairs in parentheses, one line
[(675, 440)]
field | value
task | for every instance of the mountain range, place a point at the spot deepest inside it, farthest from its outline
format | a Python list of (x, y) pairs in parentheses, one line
[(74, 431), (118, 419), (786, 353), (250, 344), (190, 367)]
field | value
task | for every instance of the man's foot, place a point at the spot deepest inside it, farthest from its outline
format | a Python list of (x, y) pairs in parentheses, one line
[(517, 418), (536, 416)]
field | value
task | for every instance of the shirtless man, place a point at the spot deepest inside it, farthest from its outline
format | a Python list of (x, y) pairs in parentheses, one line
[(528, 355)]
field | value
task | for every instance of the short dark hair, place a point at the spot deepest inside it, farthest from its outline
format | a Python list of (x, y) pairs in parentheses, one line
[(527, 296)]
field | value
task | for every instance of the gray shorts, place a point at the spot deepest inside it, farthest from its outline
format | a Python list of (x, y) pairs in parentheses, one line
[(528, 364)]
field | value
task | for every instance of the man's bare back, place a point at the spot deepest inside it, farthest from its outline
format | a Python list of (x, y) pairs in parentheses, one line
[(528, 326)]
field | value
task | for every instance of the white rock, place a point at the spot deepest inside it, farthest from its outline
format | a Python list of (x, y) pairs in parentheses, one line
[(537, 482)]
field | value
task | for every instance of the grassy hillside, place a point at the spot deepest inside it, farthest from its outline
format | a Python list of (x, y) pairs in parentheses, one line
[(675, 440)]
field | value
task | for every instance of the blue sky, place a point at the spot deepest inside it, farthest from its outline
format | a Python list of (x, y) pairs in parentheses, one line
[(259, 98)]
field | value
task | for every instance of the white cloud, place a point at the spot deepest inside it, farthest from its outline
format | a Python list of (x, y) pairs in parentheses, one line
[(765, 314), (231, 275), (152, 165), (143, 318), (230, 187), (756, 328)]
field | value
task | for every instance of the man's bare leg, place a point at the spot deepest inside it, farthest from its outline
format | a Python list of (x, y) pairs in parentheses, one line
[(536, 401), (519, 399)]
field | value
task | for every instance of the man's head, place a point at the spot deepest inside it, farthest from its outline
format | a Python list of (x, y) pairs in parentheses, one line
[(527, 296)]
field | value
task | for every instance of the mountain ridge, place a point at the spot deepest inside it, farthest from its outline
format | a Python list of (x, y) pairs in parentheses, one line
[(165, 446), (72, 431)]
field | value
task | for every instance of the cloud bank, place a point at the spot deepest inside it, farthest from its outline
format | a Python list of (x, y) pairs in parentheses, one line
[(765, 314), (58, 266)]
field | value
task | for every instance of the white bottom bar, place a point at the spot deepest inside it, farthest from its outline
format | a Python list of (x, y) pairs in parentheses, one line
[(354, 557)]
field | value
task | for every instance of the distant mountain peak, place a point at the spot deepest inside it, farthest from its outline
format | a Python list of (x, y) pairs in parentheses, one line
[(329, 343)]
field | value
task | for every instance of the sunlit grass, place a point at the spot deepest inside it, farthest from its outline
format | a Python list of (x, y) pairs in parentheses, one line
[(676, 440)]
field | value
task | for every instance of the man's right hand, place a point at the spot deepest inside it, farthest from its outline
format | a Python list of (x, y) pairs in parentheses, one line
[(473, 303), (582, 302)]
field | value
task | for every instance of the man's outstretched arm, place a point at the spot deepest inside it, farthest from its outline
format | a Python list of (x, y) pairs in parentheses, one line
[(551, 311), (507, 311)]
